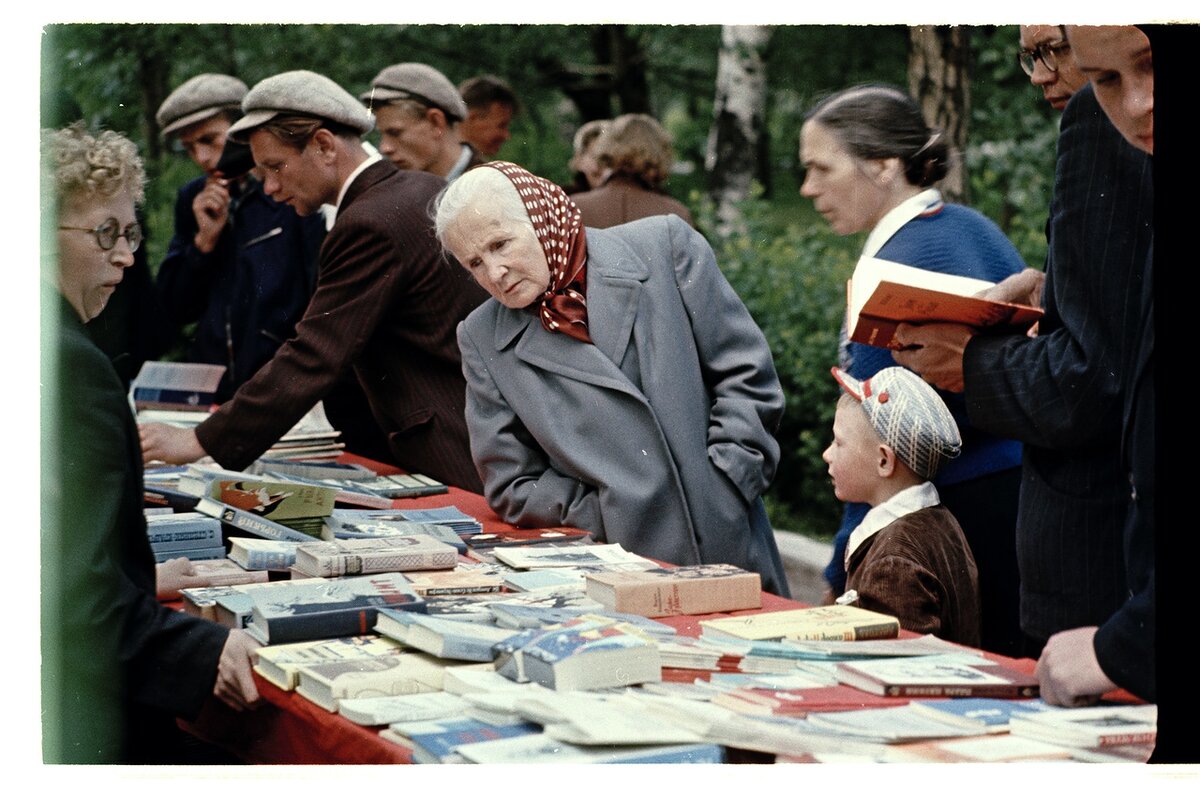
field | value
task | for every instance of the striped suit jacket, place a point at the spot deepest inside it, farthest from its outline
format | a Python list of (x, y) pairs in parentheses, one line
[(1060, 393)]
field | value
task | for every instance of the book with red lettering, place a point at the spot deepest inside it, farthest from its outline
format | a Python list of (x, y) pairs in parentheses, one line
[(312, 609)]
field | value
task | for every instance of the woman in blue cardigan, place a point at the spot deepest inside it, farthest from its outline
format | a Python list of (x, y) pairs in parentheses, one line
[(871, 163)]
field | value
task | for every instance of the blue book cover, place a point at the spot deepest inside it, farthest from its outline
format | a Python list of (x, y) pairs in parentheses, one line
[(991, 714), (694, 753), (202, 554), (191, 535)]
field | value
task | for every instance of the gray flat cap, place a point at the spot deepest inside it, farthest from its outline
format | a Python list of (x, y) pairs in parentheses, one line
[(199, 98), (302, 93), (419, 82)]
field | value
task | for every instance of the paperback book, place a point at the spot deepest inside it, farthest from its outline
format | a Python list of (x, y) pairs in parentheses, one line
[(703, 589), (954, 675), (445, 638), (326, 684), (280, 663), (262, 554), (823, 623)]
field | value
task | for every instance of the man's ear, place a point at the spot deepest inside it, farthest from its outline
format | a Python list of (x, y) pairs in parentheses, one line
[(885, 461), (325, 142), (437, 118)]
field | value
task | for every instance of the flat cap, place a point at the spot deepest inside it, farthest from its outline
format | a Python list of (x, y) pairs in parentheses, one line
[(197, 99), (302, 93), (908, 415), (419, 82)]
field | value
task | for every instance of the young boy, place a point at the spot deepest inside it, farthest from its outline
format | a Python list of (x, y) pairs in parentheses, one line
[(908, 558)]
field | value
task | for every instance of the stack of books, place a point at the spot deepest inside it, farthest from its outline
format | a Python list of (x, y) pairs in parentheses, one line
[(188, 535)]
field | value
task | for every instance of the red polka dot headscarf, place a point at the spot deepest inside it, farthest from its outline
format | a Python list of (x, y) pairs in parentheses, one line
[(556, 223)]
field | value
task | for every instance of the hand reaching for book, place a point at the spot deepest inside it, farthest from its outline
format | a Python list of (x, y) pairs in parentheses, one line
[(1068, 672), (934, 351), (170, 444), (178, 573), (235, 683)]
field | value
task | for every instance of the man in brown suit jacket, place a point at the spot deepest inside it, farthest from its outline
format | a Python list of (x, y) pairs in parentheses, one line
[(386, 302)]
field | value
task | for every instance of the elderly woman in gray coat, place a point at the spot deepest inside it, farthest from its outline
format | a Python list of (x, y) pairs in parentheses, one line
[(616, 383)]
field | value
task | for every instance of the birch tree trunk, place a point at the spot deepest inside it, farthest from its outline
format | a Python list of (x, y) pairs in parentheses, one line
[(938, 79), (738, 138)]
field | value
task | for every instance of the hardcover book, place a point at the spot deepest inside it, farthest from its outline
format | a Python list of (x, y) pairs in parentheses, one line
[(445, 638), (280, 663), (184, 531), (360, 524), (703, 589), (519, 537), (964, 675), (176, 385), (275, 500), (463, 579), (823, 623), (364, 556), (311, 609), (603, 556), (883, 294)]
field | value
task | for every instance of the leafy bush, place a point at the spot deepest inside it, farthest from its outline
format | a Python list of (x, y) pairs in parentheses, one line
[(792, 275)]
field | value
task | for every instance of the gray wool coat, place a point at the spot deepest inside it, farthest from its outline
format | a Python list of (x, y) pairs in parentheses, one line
[(660, 435)]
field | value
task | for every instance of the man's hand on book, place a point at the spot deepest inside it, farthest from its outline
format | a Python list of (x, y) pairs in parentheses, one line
[(170, 444), (934, 351), (1020, 288), (1068, 672), (235, 684)]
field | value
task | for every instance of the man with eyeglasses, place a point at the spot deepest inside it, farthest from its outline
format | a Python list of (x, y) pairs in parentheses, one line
[(241, 266), (1046, 57), (418, 112), (1060, 392)]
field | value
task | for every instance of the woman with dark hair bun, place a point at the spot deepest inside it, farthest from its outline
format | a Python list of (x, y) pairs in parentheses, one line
[(871, 163)]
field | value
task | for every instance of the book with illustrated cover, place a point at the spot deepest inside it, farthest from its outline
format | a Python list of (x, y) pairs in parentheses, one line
[(363, 556), (437, 741), (280, 663), (248, 522), (275, 500), (305, 610), (981, 713), (586, 655), (451, 516), (963, 675), (202, 601), (822, 623), (329, 682), (882, 294), (703, 589)]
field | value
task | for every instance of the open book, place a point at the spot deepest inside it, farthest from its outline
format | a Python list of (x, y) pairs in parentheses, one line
[(881, 295)]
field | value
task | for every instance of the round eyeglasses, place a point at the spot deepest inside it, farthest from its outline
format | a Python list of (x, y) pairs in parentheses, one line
[(1048, 53), (109, 230)]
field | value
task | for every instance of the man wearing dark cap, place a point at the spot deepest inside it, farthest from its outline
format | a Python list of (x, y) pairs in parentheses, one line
[(241, 266), (491, 105), (417, 110), (386, 303)]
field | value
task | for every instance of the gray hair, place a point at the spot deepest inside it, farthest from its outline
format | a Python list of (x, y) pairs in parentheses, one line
[(478, 185)]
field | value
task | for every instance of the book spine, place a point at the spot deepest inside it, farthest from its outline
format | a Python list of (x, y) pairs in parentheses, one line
[(183, 539), (314, 626), (1128, 738), (995, 691), (268, 559), (203, 554), (171, 398), (883, 630), (354, 564), (448, 591)]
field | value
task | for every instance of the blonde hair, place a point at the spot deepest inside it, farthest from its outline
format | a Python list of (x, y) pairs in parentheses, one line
[(78, 164), (637, 146)]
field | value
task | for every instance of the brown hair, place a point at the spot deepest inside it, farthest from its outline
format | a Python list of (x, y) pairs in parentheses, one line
[(636, 146)]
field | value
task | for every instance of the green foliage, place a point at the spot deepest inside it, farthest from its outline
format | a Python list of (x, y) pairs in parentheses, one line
[(791, 273)]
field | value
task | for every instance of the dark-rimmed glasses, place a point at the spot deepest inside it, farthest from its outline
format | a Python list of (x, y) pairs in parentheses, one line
[(1048, 53), (109, 230)]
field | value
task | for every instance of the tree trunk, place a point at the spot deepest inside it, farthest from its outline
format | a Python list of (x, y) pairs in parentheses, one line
[(738, 137), (938, 79)]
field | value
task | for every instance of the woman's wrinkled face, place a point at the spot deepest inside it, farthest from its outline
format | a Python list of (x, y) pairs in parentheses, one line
[(88, 274), (503, 255), (841, 186)]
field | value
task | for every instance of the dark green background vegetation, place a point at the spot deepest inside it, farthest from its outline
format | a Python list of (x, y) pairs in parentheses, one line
[(787, 266)]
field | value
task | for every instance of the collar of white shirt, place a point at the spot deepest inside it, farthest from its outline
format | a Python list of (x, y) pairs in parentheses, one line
[(901, 504), (330, 211)]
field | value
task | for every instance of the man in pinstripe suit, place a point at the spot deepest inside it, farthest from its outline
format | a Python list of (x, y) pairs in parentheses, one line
[(386, 302), (1060, 392)]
